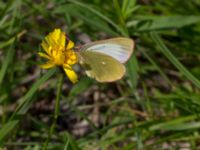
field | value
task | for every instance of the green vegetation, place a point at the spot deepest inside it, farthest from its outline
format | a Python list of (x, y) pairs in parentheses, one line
[(155, 106)]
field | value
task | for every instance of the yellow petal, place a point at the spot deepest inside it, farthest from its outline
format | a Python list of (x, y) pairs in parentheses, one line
[(50, 39), (62, 39), (70, 73), (70, 45), (54, 37), (56, 34), (47, 65), (44, 55), (46, 47)]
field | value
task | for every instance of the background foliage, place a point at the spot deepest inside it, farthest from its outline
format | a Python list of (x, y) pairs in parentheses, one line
[(155, 106)]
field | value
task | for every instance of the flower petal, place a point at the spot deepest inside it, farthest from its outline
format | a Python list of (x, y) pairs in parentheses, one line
[(46, 47), (56, 34), (44, 55), (62, 39), (70, 45), (70, 73), (47, 65)]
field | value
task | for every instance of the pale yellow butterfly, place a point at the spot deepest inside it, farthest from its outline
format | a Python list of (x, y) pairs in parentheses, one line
[(104, 59)]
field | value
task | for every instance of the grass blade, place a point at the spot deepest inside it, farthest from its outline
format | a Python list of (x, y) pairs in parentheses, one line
[(99, 14), (150, 23), (132, 70), (8, 59), (25, 104), (157, 40)]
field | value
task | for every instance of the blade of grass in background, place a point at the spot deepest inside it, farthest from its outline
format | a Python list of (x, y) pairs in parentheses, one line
[(8, 59), (9, 56), (7, 43), (97, 13), (25, 100), (157, 67), (128, 7), (149, 23), (8, 6), (157, 40), (132, 70), (82, 115), (70, 143), (81, 86), (24, 106), (84, 14), (176, 122)]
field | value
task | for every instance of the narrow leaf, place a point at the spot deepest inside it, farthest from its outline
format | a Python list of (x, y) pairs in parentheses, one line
[(157, 40)]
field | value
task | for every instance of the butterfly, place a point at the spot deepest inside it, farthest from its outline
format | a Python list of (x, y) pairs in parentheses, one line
[(104, 60)]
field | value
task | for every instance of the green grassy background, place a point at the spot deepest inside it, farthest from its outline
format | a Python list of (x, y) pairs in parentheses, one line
[(155, 106)]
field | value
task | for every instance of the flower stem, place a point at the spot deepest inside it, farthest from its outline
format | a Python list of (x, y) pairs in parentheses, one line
[(56, 111)]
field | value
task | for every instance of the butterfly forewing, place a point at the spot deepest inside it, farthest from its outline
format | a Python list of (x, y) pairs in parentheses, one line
[(119, 48), (102, 67)]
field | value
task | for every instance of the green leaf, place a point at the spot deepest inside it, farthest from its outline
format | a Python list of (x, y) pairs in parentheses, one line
[(7, 60), (7, 43), (24, 105), (97, 13), (70, 143), (6, 129), (150, 23), (84, 14), (161, 46), (132, 70), (128, 6), (81, 86), (176, 124)]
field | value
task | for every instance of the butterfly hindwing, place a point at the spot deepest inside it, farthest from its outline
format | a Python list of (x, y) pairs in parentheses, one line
[(102, 67)]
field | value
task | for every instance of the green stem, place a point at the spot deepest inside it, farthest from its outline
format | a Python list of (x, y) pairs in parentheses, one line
[(56, 111)]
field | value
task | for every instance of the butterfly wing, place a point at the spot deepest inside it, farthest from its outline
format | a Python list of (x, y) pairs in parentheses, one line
[(102, 67), (119, 48)]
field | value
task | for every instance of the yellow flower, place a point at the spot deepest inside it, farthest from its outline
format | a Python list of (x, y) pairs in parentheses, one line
[(59, 52)]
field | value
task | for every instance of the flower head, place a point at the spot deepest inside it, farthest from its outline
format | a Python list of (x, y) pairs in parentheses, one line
[(59, 52)]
